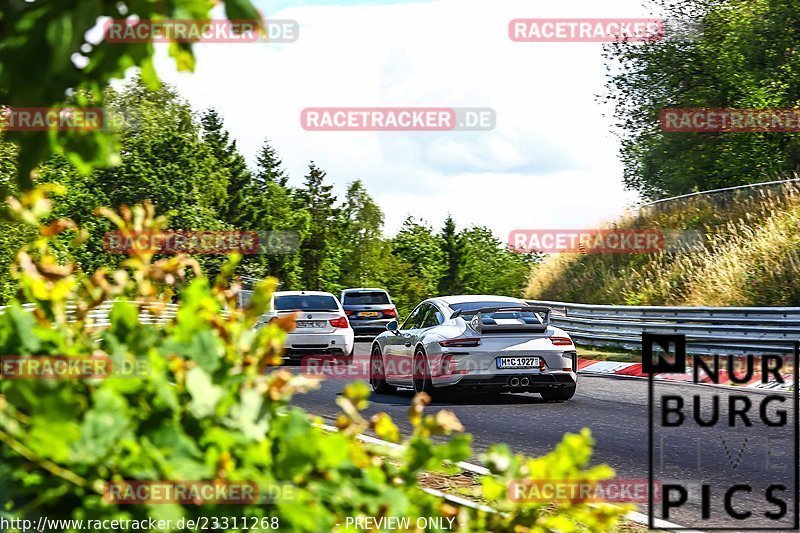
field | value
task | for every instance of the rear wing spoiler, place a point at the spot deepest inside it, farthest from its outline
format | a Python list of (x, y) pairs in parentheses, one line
[(483, 321), (554, 310)]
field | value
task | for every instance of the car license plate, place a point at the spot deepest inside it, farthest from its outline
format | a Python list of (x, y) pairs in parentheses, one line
[(517, 362), (318, 324), (368, 313)]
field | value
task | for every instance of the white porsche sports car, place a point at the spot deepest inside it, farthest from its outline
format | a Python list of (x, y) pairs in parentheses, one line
[(491, 343)]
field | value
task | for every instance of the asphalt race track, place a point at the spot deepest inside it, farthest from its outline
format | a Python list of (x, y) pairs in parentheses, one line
[(615, 409)]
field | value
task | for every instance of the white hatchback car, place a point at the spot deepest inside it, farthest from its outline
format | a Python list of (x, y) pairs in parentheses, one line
[(322, 325)]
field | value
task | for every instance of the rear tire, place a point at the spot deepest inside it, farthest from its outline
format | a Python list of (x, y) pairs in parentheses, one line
[(558, 395), (421, 374), (377, 373)]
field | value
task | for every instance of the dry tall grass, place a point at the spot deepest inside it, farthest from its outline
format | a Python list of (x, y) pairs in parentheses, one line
[(740, 248)]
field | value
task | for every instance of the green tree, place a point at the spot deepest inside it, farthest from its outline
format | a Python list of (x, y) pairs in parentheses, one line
[(184, 167), (269, 207), (164, 160), (490, 267), (234, 185), (361, 220), (417, 245), (319, 201), (270, 166), (402, 281), (744, 57), (453, 249)]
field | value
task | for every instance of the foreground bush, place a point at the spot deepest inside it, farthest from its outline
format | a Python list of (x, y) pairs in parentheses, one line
[(209, 404)]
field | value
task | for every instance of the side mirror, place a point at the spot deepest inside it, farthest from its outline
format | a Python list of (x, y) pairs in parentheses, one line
[(393, 327)]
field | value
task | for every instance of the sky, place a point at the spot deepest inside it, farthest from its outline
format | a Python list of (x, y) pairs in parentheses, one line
[(551, 162)]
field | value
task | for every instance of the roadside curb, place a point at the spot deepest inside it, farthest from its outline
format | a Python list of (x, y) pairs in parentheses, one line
[(634, 370)]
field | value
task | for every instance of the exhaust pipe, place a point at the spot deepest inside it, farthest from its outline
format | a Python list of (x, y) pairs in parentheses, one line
[(524, 382), (514, 382)]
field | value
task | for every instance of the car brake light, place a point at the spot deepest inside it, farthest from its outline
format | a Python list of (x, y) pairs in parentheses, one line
[(460, 343), (349, 312), (340, 322), (390, 313), (561, 341)]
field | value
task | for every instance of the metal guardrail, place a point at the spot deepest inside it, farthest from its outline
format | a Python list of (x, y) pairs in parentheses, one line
[(99, 316), (723, 190), (721, 330)]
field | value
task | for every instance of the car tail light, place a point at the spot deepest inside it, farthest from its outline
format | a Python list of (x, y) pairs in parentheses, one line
[(460, 343), (340, 322), (561, 341), (349, 312), (390, 313)]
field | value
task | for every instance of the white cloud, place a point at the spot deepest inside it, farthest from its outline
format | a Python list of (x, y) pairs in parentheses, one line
[(550, 162)]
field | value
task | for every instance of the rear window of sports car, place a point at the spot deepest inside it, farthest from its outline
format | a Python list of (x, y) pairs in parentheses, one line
[(310, 302)]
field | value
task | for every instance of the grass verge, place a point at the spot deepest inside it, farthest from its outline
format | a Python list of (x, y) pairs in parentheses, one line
[(609, 354), (737, 249)]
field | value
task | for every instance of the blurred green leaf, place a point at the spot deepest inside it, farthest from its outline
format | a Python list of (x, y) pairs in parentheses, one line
[(205, 395)]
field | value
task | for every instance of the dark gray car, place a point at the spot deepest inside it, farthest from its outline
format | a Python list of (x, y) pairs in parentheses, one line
[(369, 310)]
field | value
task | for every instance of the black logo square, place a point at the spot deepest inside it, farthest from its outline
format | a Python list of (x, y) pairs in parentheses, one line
[(664, 341)]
